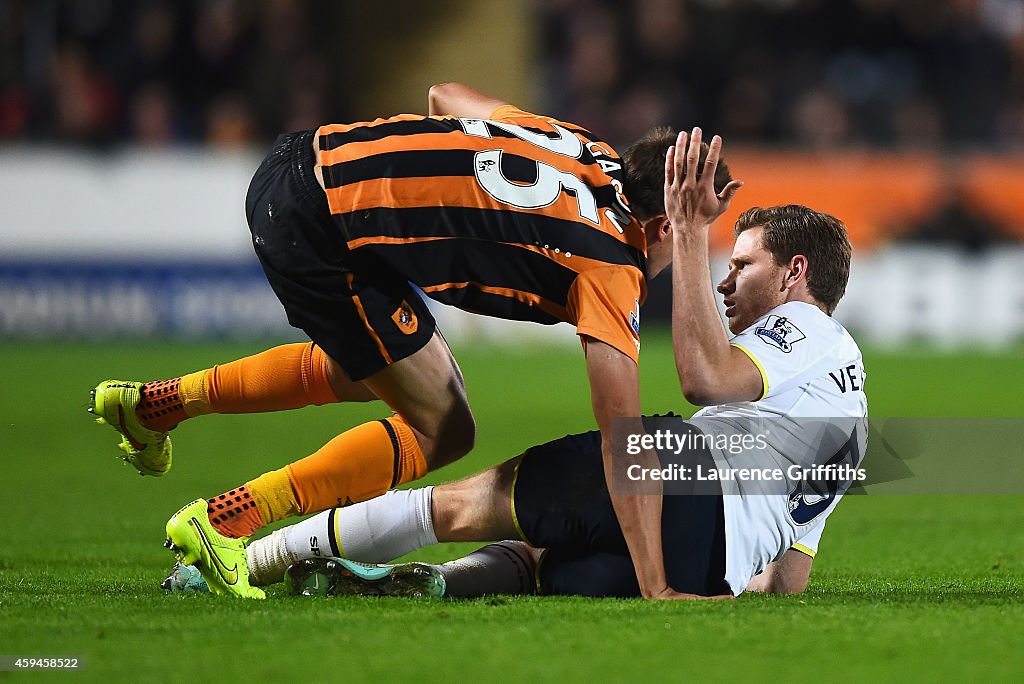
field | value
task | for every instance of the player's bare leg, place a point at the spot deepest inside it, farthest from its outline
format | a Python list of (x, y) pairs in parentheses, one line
[(328, 553), (432, 426), (477, 508), (427, 390), (345, 388)]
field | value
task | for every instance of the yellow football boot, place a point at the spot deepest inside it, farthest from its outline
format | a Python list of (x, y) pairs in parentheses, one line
[(113, 403), (221, 560)]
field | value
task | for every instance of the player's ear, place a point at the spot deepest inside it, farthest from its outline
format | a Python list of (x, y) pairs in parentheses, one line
[(797, 270), (657, 228)]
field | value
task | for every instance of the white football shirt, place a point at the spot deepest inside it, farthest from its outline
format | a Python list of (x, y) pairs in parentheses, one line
[(811, 369)]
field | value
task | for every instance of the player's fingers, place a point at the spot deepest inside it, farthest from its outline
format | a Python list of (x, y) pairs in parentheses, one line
[(670, 166), (711, 163), (729, 190), (693, 157), (679, 157)]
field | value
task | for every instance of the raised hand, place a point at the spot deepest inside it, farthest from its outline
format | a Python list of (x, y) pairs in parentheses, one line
[(690, 202)]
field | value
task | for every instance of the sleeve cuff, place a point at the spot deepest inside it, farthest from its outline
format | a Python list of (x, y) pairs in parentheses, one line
[(508, 111), (804, 550), (760, 369)]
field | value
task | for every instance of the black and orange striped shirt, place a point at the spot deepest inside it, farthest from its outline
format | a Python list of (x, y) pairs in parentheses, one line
[(519, 216)]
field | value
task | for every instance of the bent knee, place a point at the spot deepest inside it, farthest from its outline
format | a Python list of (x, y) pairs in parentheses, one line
[(459, 437), (455, 438), (466, 439)]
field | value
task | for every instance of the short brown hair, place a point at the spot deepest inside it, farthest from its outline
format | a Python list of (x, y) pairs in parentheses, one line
[(794, 229), (644, 184)]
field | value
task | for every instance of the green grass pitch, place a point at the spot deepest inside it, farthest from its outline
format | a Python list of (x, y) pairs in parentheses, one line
[(904, 588)]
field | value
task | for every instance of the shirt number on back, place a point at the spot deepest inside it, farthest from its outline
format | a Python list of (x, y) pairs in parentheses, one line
[(809, 500), (550, 181)]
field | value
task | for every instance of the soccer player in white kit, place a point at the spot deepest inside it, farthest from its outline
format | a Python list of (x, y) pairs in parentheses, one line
[(791, 374)]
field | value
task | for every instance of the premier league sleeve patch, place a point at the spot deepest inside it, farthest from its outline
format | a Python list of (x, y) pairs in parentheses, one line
[(634, 318), (634, 323), (779, 331)]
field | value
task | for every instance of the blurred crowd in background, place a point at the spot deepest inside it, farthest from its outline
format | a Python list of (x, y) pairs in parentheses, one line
[(905, 118), (809, 73), (157, 72)]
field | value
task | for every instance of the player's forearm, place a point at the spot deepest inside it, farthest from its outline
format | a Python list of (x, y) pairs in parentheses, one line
[(702, 351), (789, 575), (639, 515), (639, 518), (615, 395), (775, 583)]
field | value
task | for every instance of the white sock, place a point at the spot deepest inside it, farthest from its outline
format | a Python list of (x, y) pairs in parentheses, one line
[(374, 531), (268, 558), (503, 568)]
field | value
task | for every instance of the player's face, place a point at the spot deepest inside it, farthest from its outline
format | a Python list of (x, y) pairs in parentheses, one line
[(754, 285)]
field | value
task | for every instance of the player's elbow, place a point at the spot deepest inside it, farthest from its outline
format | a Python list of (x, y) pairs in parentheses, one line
[(697, 389), (438, 95), (697, 397), (457, 438), (438, 89), (694, 381), (708, 386)]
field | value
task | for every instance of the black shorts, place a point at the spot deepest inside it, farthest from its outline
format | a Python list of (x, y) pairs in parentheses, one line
[(560, 502), (359, 310)]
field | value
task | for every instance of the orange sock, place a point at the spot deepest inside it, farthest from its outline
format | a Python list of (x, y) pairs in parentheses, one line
[(234, 513), (245, 509), (160, 406), (357, 465), (285, 377)]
